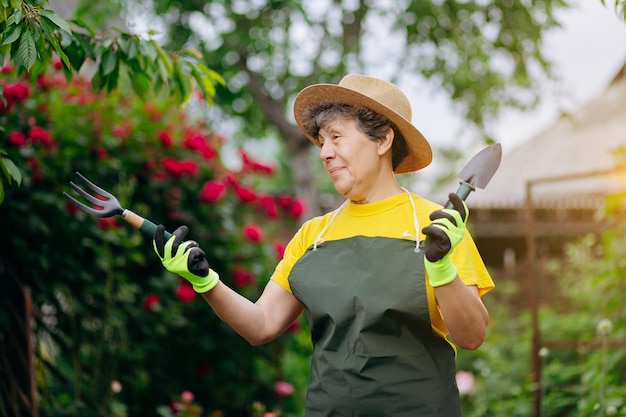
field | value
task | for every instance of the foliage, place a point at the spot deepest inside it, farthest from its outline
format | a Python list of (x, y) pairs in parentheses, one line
[(115, 333), (619, 5), (583, 372), (30, 35)]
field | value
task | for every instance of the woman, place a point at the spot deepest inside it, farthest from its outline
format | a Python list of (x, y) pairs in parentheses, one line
[(383, 296)]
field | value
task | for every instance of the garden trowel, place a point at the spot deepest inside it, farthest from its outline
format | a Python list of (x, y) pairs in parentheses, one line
[(479, 171)]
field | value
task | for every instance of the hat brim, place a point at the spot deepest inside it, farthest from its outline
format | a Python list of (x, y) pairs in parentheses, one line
[(420, 153)]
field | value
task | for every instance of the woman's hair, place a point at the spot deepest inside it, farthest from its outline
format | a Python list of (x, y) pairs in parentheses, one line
[(372, 124)]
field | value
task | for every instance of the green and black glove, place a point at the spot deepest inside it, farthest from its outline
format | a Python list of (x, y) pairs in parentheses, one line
[(184, 258), (442, 235)]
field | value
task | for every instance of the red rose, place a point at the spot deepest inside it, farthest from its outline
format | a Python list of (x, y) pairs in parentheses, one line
[(297, 207), (179, 167), (151, 301), (16, 92), (245, 194), (39, 134), (252, 232), (197, 142), (165, 138), (17, 138), (185, 292), (56, 62), (107, 223), (262, 168), (279, 249), (212, 191), (242, 276), (267, 202), (249, 164), (284, 200)]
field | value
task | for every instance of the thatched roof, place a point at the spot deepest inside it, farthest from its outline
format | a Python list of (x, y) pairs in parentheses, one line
[(580, 143)]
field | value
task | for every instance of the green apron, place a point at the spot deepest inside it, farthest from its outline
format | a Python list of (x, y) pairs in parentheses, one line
[(375, 354)]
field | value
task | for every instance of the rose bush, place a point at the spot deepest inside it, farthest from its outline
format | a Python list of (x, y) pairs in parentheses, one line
[(105, 309)]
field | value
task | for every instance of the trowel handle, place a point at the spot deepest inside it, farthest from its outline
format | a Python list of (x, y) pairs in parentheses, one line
[(145, 226), (465, 188)]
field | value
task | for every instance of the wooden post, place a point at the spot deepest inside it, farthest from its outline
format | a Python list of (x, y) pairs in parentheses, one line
[(534, 300)]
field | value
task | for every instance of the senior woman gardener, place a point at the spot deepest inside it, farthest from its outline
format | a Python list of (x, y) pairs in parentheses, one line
[(387, 300)]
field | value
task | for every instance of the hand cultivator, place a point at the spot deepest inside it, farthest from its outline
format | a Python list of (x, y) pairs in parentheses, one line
[(105, 204)]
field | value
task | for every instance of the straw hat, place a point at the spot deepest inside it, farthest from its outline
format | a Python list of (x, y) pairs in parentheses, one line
[(377, 95)]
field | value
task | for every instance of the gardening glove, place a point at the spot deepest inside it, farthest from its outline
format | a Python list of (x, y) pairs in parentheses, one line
[(442, 235), (184, 258)]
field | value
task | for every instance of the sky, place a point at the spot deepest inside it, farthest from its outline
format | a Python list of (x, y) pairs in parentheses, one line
[(587, 51)]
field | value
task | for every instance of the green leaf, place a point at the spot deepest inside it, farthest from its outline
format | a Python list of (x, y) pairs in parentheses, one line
[(11, 34), (133, 48), (148, 50), (16, 4), (109, 62), (10, 170), (1, 191), (141, 83), (27, 50), (182, 80), (76, 55), (113, 78), (163, 57), (48, 29), (205, 84), (60, 23), (17, 16), (214, 75)]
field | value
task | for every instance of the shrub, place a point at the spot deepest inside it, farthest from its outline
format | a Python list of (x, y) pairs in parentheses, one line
[(115, 334)]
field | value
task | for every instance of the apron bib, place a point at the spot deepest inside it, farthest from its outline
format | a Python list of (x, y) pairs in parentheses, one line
[(374, 351)]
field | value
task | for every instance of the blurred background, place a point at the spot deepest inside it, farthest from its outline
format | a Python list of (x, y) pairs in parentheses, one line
[(183, 111)]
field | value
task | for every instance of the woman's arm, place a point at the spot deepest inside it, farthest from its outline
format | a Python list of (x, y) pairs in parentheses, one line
[(464, 313), (259, 322)]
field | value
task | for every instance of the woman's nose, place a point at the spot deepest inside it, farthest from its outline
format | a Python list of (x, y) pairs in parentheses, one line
[(327, 151)]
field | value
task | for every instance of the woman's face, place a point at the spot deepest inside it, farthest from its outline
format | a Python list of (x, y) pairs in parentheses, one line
[(351, 158)]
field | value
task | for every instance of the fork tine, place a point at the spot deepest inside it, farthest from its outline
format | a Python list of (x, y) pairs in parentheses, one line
[(87, 196), (93, 186), (106, 207), (83, 207)]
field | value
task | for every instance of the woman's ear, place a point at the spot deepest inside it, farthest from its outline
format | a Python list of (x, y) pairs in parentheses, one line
[(385, 142)]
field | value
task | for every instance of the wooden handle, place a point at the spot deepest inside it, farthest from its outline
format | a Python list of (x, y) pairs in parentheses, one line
[(145, 226)]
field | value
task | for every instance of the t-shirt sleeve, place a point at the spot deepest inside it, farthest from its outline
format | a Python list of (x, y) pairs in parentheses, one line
[(293, 251)]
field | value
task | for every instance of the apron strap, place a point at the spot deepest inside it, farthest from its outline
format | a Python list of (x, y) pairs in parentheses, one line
[(319, 240), (416, 224)]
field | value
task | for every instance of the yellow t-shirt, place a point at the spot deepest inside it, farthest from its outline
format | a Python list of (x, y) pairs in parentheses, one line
[(392, 217)]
